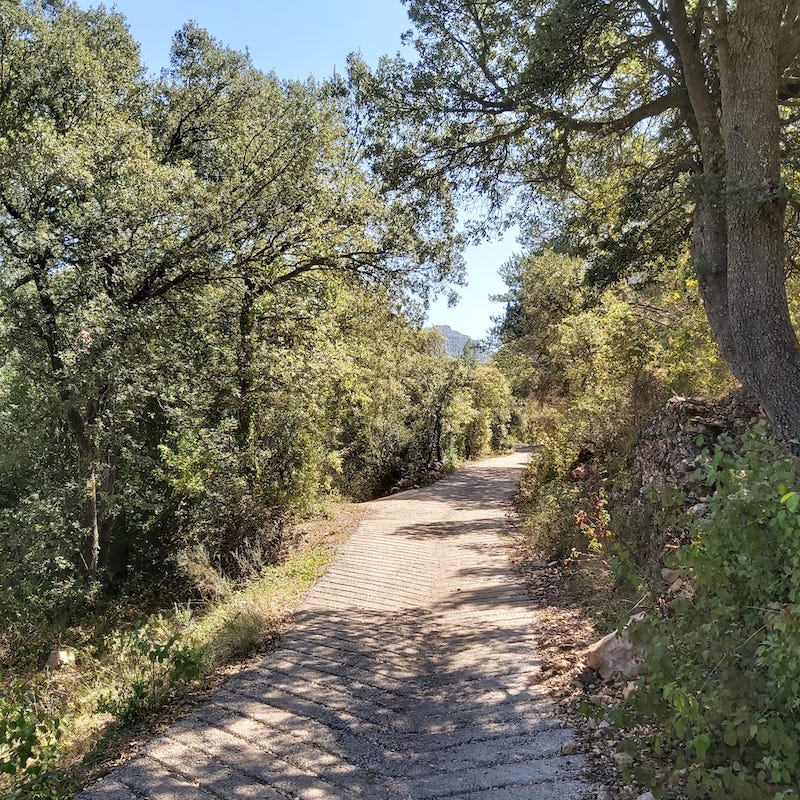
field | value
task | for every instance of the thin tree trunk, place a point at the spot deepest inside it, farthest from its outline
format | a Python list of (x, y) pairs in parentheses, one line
[(98, 473), (710, 260), (90, 540), (90, 546), (762, 330), (106, 516), (247, 323)]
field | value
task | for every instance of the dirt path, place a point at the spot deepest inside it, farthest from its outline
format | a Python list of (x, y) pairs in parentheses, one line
[(410, 674)]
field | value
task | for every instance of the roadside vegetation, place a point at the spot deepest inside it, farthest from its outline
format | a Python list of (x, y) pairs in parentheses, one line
[(210, 292), (209, 340), (713, 712)]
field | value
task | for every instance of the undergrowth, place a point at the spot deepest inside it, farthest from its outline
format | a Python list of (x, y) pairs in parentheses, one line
[(716, 712), (722, 692), (55, 726)]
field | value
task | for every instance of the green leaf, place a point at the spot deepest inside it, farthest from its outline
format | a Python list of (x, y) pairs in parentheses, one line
[(792, 501)]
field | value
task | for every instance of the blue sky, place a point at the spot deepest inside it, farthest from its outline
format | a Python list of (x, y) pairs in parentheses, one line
[(300, 38)]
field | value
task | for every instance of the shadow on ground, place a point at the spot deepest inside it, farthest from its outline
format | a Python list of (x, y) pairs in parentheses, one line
[(420, 701)]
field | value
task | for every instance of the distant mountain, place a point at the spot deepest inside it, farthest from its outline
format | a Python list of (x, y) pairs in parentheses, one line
[(455, 342)]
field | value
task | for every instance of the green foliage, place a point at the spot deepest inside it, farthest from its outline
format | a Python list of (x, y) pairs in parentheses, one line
[(29, 732), (205, 305), (150, 665), (549, 529), (724, 665), (591, 366)]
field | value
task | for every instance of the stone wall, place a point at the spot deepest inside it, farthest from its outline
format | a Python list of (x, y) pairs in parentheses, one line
[(667, 451)]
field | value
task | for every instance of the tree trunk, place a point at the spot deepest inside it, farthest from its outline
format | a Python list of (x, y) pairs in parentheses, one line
[(90, 546), (106, 515), (759, 312), (99, 473), (244, 431), (89, 549), (709, 226), (710, 260)]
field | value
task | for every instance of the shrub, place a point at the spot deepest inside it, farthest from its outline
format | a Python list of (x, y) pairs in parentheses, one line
[(723, 690), (149, 665), (29, 732)]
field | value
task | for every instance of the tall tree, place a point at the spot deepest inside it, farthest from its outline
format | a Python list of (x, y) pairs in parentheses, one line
[(122, 200), (512, 96), (290, 191)]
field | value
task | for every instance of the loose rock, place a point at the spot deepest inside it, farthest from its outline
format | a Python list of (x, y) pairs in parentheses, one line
[(614, 653), (669, 576), (630, 688), (569, 748), (61, 658)]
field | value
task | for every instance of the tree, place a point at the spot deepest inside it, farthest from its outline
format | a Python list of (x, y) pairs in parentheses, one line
[(528, 96), (91, 230), (289, 190), (127, 206)]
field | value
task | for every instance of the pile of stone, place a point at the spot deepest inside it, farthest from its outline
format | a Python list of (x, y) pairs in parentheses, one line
[(668, 450)]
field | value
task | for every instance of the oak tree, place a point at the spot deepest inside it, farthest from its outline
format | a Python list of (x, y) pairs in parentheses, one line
[(528, 98)]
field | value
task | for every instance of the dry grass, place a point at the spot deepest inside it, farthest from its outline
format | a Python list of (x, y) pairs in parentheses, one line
[(236, 625)]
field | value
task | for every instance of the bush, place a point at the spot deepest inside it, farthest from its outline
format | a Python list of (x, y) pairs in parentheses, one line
[(150, 664), (29, 733), (723, 689)]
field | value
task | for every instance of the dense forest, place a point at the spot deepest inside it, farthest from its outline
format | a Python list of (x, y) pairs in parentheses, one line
[(211, 291)]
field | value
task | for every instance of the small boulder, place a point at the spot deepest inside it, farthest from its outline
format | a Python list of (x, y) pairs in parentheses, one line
[(629, 690), (614, 654), (669, 576), (623, 759), (569, 748), (61, 658)]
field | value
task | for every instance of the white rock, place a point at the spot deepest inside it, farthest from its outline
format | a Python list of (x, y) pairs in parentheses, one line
[(646, 796), (61, 658), (614, 654), (698, 510), (630, 688)]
